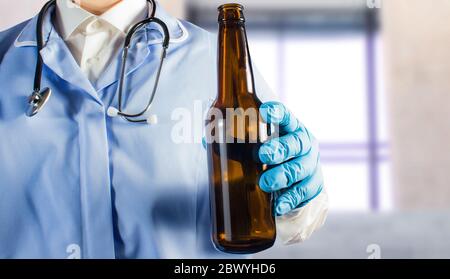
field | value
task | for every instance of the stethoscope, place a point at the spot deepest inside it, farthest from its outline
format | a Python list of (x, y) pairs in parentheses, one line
[(39, 97)]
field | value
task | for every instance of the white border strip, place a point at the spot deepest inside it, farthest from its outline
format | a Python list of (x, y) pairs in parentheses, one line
[(24, 43)]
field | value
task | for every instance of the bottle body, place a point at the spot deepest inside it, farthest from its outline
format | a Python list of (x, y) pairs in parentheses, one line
[(242, 214)]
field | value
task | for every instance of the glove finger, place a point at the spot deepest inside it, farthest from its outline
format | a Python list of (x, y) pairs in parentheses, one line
[(276, 113), (299, 194), (281, 149), (290, 172)]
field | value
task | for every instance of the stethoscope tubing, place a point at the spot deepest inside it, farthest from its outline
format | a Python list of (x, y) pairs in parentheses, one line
[(40, 45), (38, 99), (126, 48)]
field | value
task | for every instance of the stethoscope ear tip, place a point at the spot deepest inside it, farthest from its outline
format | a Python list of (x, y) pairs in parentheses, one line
[(152, 119), (112, 112)]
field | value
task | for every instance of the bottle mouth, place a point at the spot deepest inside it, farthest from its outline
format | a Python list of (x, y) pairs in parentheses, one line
[(230, 6), (231, 12)]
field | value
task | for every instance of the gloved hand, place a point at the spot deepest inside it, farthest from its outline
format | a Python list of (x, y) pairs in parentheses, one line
[(295, 174)]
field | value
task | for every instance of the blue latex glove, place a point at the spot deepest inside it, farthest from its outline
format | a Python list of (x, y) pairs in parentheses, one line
[(295, 174)]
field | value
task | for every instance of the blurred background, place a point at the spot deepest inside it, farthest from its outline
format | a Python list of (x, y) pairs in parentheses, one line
[(371, 79)]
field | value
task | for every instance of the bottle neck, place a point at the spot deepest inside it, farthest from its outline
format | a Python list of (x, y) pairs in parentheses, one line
[(235, 66)]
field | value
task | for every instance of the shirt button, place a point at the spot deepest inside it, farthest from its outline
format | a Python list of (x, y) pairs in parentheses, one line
[(96, 25), (92, 27)]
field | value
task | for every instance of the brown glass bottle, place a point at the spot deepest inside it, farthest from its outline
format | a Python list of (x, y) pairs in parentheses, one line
[(242, 216)]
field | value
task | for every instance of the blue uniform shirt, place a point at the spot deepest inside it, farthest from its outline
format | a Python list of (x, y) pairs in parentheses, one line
[(77, 183)]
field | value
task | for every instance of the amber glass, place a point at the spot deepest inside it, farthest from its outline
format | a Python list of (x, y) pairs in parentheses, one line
[(242, 215)]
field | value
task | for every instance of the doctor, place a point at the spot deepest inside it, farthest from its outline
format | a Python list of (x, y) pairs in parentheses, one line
[(76, 183)]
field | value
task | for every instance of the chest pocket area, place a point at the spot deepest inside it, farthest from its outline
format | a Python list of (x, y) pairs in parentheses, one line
[(158, 173), (175, 202)]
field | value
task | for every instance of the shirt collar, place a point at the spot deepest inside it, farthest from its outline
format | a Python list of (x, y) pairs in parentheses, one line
[(178, 33), (69, 16)]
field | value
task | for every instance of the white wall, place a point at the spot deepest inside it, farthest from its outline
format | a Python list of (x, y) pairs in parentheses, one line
[(15, 11), (417, 40)]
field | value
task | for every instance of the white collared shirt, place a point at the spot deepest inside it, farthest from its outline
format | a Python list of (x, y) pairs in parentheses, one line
[(95, 40)]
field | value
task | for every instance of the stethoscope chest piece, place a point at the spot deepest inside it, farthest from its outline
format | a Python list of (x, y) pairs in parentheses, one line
[(37, 101)]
